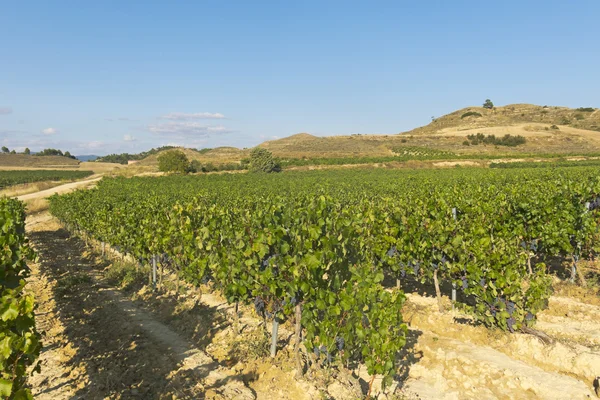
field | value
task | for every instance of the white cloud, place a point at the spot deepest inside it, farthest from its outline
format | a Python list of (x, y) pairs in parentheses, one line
[(50, 131), (186, 129), (179, 116), (129, 138), (5, 110)]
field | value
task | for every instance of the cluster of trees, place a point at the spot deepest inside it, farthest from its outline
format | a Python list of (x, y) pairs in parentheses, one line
[(175, 161), (506, 140), (124, 158), (45, 152)]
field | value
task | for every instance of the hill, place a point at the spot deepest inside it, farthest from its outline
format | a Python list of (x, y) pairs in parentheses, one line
[(556, 130), (20, 161), (544, 130)]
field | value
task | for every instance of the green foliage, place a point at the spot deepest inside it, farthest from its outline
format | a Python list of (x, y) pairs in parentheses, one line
[(10, 178), (174, 161), (325, 240), (554, 127), (5, 149), (579, 117), (506, 140), (488, 104), (261, 160), (54, 152), (470, 114), (27, 151), (124, 158), (586, 109), (19, 340)]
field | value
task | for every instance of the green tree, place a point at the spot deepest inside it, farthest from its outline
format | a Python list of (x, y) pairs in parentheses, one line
[(488, 104), (5, 149), (173, 161), (13, 152), (27, 151), (261, 160)]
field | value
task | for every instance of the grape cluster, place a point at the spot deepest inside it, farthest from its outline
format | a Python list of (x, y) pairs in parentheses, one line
[(529, 316), (594, 204), (392, 251), (339, 343), (416, 266), (465, 283), (510, 307), (510, 322), (323, 351), (259, 305)]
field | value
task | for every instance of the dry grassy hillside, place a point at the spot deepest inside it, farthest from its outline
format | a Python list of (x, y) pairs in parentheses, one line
[(511, 115), (22, 161), (548, 130)]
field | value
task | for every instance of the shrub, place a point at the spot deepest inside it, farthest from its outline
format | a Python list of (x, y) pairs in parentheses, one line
[(565, 121), (173, 161), (403, 141), (506, 140), (466, 143), (488, 104), (579, 117), (554, 127), (261, 160), (470, 114), (544, 111), (586, 109)]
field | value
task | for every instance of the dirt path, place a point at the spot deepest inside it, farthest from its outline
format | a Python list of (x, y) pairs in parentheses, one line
[(98, 344), (68, 187)]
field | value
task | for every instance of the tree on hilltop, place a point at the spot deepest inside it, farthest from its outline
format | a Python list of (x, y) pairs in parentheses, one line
[(488, 104)]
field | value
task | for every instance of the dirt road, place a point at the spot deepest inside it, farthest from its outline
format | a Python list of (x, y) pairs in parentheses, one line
[(66, 188)]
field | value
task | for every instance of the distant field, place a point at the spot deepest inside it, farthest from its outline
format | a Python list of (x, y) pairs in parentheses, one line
[(11, 178), (29, 161)]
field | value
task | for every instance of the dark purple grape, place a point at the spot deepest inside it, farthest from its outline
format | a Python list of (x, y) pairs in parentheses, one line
[(529, 316), (510, 322), (339, 342), (510, 307)]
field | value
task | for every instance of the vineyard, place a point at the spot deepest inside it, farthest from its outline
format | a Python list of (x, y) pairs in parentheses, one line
[(333, 251), (19, 340), (11, 178)]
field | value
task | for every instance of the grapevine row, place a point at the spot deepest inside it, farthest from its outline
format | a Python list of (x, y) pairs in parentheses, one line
[(19, 340), (323, 243)]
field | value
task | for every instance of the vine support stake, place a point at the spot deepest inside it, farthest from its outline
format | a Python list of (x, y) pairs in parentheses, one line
[(274, 337), (454, 284), (298, 322), (453, 295), (437, 290), (154, 273)]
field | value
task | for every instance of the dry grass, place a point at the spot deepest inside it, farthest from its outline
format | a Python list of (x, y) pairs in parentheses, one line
[(27, 188), (36, 205)]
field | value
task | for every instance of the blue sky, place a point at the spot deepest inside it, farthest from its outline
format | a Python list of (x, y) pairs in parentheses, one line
[(114, 76)]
